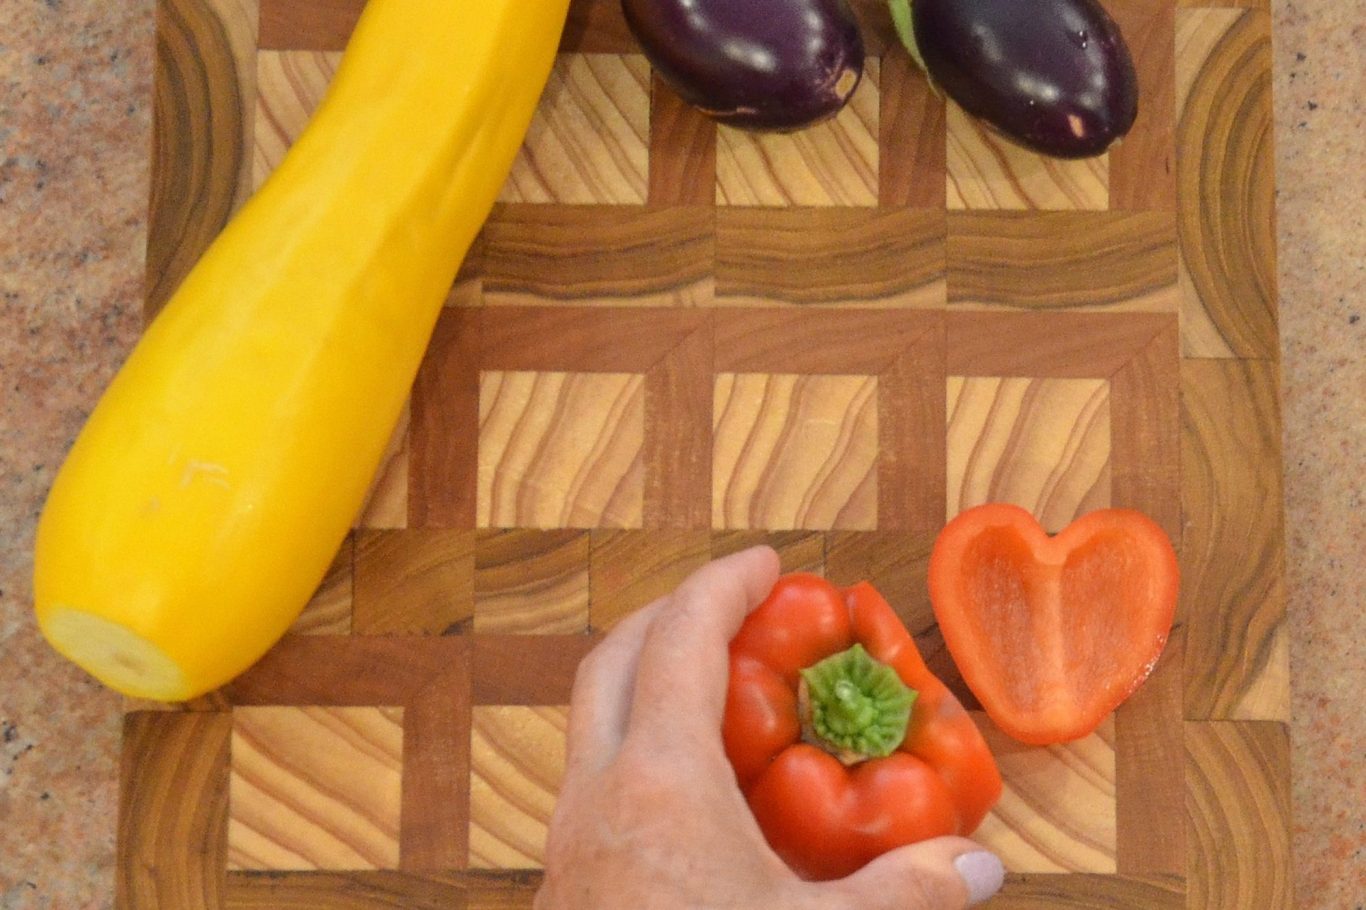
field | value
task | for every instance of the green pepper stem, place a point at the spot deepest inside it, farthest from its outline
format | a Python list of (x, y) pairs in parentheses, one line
[(857, 707)]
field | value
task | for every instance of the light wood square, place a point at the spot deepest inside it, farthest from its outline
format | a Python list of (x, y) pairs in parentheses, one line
[(1057, 809), (517, 757), (1043, 444), (289, 86), (561, 450), (589, 139), (986, 171), (315, 788), (794, 452), (831, 163)]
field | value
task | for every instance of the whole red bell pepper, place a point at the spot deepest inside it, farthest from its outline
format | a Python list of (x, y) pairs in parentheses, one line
[(843, 742)]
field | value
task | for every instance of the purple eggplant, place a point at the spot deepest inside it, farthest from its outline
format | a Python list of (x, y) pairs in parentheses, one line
[(756, 64), (1053, 75)]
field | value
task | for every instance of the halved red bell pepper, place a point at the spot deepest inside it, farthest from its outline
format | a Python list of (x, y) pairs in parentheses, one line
[(843, 742), (1053, 633)]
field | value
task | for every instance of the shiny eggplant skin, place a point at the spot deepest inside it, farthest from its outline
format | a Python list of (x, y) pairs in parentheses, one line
[(756, 64), (1053, 75)]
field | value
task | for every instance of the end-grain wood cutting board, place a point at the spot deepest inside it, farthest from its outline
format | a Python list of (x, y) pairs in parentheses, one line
[(673, 340)]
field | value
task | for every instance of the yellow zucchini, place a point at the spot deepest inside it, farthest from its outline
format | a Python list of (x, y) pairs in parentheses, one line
[(215, 480)]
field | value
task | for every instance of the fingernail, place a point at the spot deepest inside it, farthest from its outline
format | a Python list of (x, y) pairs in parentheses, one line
[(982, 872)]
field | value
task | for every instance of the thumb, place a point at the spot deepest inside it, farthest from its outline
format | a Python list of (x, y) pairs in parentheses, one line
[(947, 873)]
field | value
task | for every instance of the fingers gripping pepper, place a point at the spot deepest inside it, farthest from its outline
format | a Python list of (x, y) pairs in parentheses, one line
[(843, 742)]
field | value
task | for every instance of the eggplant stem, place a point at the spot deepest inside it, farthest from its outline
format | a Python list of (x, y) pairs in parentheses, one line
[(905, 30)]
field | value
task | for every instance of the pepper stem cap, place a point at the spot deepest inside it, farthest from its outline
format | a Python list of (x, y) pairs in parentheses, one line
[(856, 707)]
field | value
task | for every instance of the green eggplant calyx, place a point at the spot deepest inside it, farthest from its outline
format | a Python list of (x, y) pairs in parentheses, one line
[(905, 30)]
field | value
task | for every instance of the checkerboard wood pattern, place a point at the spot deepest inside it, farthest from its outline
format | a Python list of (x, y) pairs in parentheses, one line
[(673, 340)]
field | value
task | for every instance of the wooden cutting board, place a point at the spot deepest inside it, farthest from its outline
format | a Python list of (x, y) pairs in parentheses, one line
[(674, 340)]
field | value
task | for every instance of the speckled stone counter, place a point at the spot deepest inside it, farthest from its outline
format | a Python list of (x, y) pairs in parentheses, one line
[(75, 132)]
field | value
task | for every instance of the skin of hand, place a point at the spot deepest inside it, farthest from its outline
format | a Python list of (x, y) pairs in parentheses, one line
[(649, 814)]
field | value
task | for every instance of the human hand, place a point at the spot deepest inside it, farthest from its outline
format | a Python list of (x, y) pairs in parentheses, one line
[(649, 814)]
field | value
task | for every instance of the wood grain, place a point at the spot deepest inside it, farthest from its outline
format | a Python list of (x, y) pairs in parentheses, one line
[(582, 339), (1057, 811), (348, 670), (311, 25), (897, 564), (798, 551), (386, 504), (1042, 444), (894, 562), (531, 582), (516, 765), (596, 26), (289, 87), (868, 257), (436, 769), (328, 612), (1143, 164), (1233, 598), (911, 129), (817, 341), (540, 255), (671, 347), (381, 890), (502, 890), (561, 450), (639, 245), (1145, 432), (1225, 174), (912, 464), (1264, 5), (527, 669), (1109, 261), (1238, 806), (904, 349), (1150, 779), (794, 452), (371, 890), (629, 569), (875, 24), (1053, 345), (588, 141), (443, 468), (678, 402), (315, 788), (985, 171), (173, 810), (1075, 891), (430, 678), (413, 581), (834, 163), (201, 133), (682, 149)]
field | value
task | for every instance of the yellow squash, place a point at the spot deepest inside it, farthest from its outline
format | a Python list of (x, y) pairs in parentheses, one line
[(208, 492)]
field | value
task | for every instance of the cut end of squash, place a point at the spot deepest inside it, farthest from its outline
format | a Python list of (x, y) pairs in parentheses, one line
[(113, 654)]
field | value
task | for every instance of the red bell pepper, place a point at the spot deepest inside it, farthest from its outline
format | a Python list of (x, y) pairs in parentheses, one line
[(843, 742), (1053, 633)]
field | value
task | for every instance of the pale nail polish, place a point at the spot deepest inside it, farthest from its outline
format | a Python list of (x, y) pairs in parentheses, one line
[(982, 872)]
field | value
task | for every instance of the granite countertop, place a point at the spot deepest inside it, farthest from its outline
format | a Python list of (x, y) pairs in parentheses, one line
[(75, 128)]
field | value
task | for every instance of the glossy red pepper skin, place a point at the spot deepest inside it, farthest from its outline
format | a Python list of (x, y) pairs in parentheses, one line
[(1053, 633), (824, 819)]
